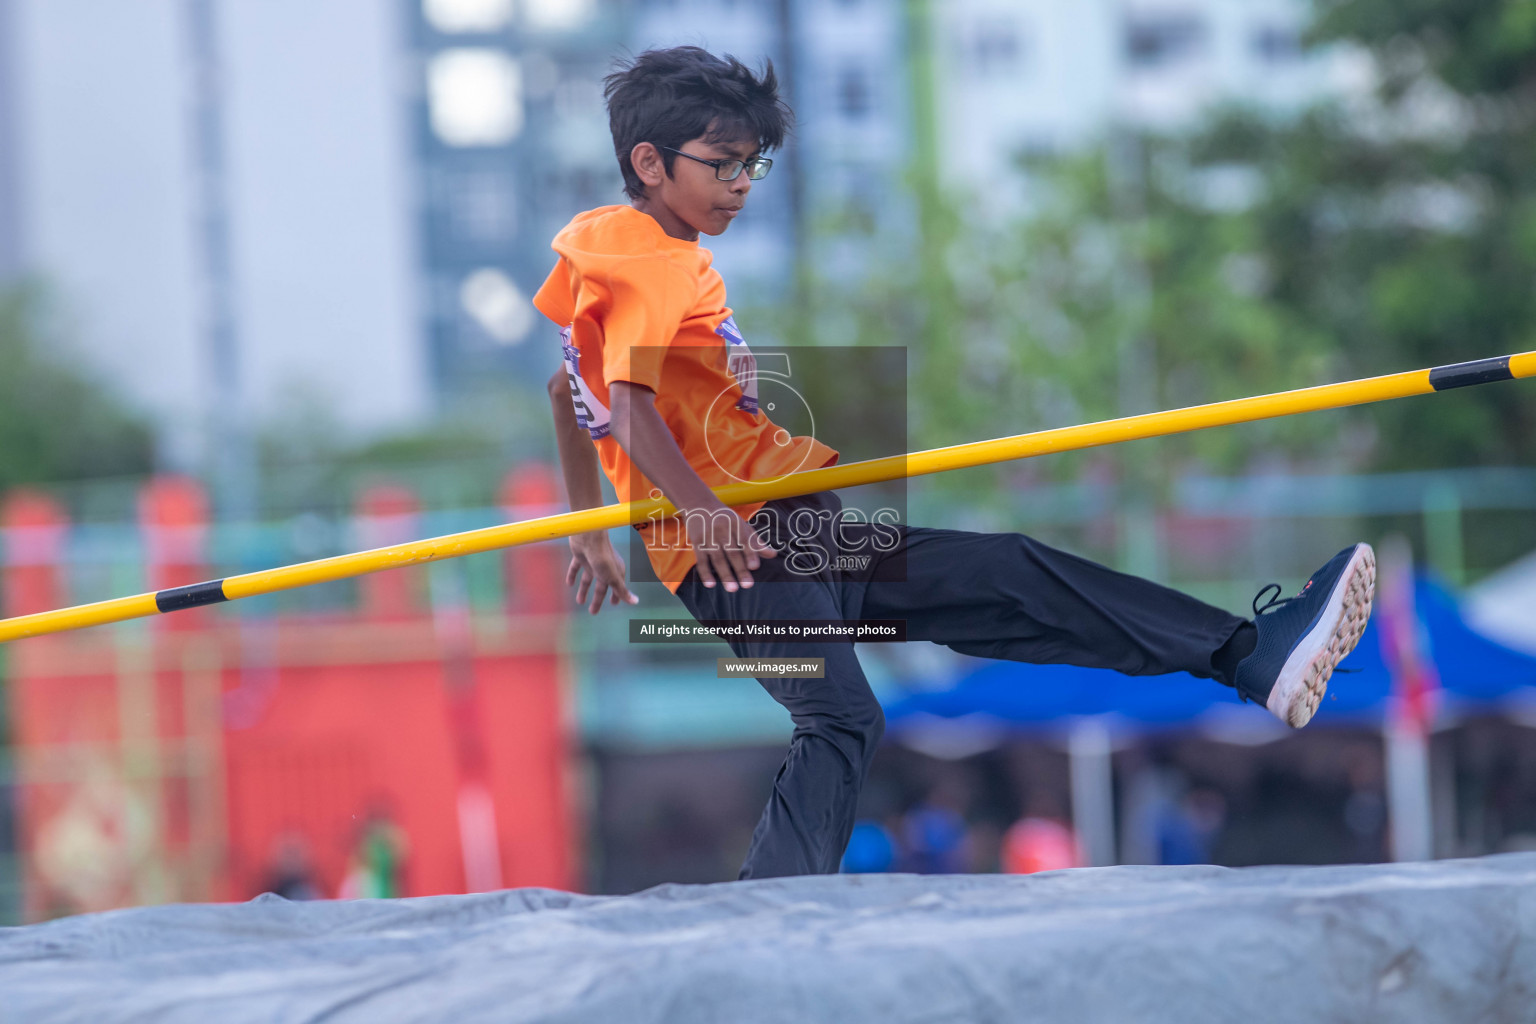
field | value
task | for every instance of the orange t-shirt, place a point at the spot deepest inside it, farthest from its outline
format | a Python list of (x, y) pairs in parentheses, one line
[(635, 304)]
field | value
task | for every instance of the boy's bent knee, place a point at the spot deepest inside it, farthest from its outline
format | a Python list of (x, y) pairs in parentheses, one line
[(855, 730)]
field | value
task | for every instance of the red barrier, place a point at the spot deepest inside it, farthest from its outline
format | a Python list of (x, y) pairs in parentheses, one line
[(535, 572), (273, 753), (35, 527), (389, 514), (173, 516)]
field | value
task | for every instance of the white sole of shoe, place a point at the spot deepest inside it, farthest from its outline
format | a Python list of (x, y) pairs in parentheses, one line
[(1304, 679)]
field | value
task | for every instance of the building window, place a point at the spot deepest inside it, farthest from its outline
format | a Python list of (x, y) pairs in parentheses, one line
[(853, 100), (1276, 44), (481, 207), (454, 16), (579, 95), (496, 305), (996, 47), (1163, 40), (1036, 150), (557, 15), (475, 97)]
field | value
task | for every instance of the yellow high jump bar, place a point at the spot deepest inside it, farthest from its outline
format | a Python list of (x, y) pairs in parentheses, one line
[(937, 460)]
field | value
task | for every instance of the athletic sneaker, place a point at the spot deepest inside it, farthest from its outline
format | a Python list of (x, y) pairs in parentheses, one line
[(1303, 638)]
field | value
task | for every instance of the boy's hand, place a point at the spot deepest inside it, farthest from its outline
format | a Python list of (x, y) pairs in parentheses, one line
[(729, 548), (597, 565)]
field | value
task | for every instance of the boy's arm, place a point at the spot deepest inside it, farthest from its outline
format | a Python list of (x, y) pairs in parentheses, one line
[(729, 548), (593, 559), (578, 458)]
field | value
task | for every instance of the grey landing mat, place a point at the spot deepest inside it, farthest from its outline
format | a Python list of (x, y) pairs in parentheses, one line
[(1445, 941)]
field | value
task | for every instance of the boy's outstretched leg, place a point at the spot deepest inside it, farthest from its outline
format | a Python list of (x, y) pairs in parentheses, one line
[(1009, 596)]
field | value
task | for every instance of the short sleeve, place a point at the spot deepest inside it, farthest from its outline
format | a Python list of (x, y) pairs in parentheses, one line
[(554, 298), (648, 300)]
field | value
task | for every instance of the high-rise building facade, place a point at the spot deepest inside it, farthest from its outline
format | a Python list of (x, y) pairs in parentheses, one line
[(1032, 77), (168, 160), (10, 198), (511, 140)]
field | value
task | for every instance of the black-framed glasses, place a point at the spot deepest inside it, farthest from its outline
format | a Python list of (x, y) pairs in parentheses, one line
[(727, 170)]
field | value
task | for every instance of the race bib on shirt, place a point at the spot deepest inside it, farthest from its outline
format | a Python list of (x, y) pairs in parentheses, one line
[(741, 363), (591, 414)]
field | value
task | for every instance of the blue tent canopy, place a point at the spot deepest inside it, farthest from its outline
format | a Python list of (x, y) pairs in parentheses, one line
[(1473, 670)]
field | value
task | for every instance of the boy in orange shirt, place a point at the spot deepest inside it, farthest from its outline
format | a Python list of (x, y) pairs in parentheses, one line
[(659, 391)]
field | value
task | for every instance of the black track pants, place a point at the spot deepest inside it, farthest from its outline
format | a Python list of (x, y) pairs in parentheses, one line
[(991, 595)]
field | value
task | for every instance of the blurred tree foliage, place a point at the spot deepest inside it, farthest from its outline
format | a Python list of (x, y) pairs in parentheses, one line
[(57, 423), (1404, 228), (1255, 253), (1124, 289), (310, 461)]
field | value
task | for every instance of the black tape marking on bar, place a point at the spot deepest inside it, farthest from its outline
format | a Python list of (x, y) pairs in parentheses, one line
[(177, 598), (1462, 375)]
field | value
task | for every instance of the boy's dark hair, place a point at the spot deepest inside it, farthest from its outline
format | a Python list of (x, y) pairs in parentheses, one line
[(667, 97)]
